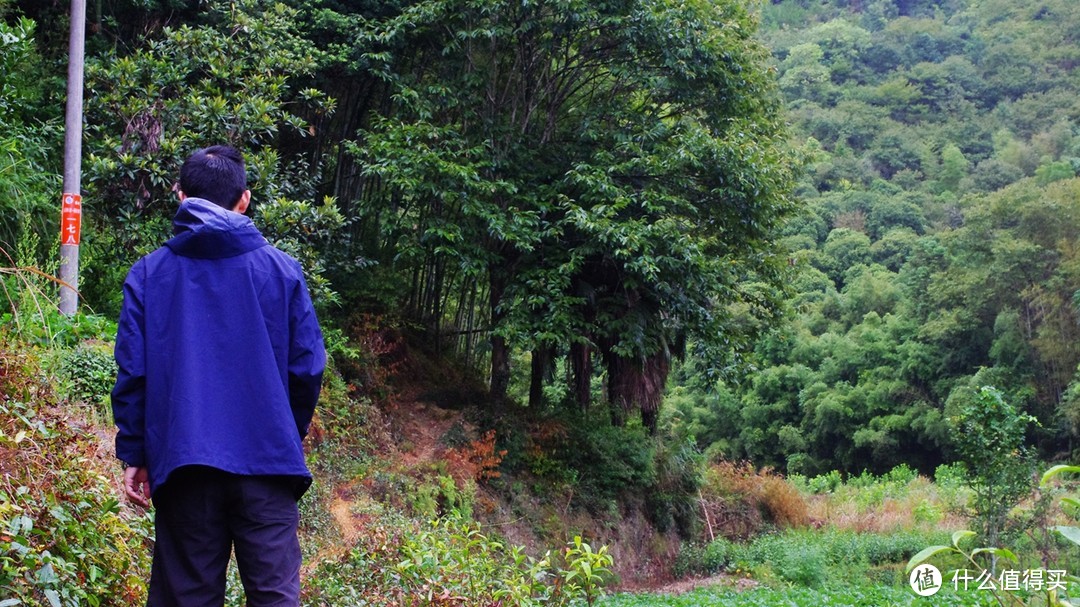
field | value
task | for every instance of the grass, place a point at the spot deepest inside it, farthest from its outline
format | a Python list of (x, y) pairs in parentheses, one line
[(794, 596), (899, 499), (866, 529), (811, 558)]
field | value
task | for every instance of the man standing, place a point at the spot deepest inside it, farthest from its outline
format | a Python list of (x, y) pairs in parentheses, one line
[(220, 364)]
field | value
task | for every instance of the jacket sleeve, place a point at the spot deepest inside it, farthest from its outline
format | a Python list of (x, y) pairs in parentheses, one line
[(129, 393), (307, 358)]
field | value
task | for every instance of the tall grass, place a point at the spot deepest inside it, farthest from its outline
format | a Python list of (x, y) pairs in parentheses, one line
[(897, 500)]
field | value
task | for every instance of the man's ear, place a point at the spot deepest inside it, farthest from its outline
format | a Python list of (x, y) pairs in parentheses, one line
[(242, 204), (181, 195)]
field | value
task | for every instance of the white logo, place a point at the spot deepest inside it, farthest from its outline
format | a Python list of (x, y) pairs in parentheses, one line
[(925, 580)]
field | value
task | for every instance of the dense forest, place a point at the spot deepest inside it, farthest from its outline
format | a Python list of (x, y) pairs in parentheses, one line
[(626, 244), (563, 197), (936, 248), (832, 245)]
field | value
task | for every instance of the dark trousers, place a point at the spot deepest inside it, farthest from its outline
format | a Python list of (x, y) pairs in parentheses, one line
[(203, 514)]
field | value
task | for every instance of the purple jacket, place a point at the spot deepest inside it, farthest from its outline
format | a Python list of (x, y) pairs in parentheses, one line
[(220, 355)]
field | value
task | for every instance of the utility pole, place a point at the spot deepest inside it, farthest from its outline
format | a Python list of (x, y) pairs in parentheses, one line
[(71, 206)]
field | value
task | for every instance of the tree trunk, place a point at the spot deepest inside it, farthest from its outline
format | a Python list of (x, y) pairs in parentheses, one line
[(500, 352), (581, 374), (541, 364), (637, 384)]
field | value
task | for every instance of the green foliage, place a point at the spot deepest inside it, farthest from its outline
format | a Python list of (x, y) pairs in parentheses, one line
[(231, 78), (29, 183), (853, 596), (547, 184), (918, 155), (452, 560), (32, 314), (87, 372), (610, 461), (64, 538), (670, 501), (866, 373), (808, 558), (985, 559), (989, 438), (307, 232)]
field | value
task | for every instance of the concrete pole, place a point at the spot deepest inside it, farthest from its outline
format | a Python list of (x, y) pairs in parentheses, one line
[(71, 209)]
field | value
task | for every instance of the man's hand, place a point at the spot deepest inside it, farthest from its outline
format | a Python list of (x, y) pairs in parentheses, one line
[(137, 485)]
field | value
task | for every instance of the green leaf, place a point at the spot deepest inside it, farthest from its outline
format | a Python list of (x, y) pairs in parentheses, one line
[(1072, 501), (925, 554), (1004, 553), (1071, 533), (1056, 470), (961, 535)]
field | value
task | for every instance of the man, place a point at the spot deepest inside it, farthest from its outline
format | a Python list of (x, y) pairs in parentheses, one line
[(220, 364)]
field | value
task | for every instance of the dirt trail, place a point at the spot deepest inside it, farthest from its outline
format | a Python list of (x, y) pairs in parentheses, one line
[(420, 427)]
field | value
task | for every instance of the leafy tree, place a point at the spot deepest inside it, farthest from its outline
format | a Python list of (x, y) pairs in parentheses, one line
[(230, 80), (28, 176), (1052, 171), (844, 249), (609, 186), (804, 75), (954, 167), (989, 438)]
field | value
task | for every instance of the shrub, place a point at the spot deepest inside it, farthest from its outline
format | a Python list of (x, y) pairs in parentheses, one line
[(64, 537), (87, 373), (599, 461), (451, 561), (802, 564), (740, 501), (673, 500)]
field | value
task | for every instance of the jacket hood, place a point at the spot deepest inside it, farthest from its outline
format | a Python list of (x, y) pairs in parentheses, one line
[(204, 230)]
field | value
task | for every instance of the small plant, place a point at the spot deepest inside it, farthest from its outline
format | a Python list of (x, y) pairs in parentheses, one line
[(586, 570), (88, 372), (983, 559), (477, 460)]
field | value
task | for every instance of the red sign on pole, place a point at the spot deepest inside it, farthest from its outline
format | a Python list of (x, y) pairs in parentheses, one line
[(71, 219)]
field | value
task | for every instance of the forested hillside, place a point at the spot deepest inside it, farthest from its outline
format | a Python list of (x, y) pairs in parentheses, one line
[(937, 249), (591, 184), (521, 213), (573, 260)]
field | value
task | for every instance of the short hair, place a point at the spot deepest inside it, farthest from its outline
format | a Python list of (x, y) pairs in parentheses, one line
[(216, 174)]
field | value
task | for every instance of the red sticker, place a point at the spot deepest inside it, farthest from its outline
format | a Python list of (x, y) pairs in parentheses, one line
[(71, 219)]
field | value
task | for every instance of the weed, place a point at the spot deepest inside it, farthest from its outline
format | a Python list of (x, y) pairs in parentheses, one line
[(805, 557), (739, 502)]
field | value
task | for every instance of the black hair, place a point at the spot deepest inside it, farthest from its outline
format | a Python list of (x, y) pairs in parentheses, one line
[(216, 174)]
